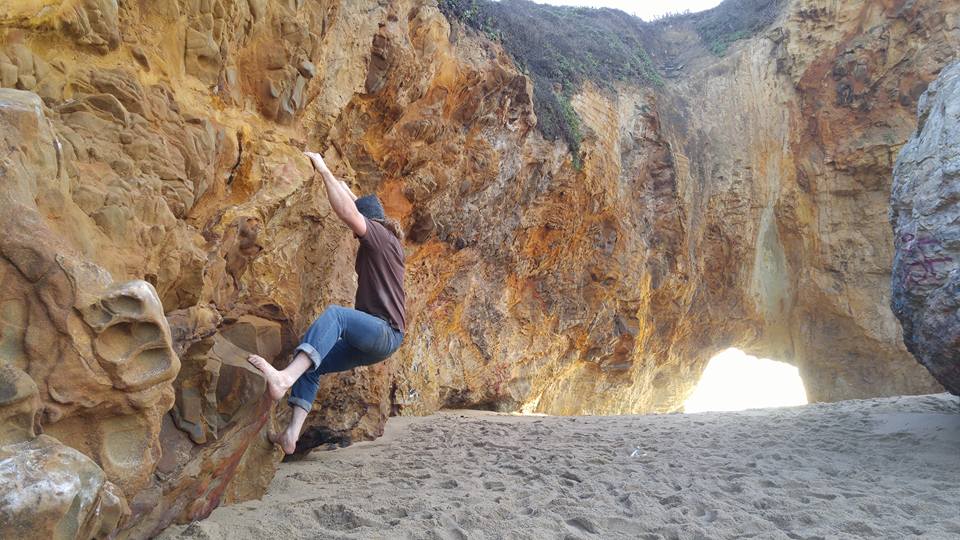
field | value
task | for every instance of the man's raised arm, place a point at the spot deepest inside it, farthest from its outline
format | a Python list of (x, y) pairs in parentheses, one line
[(348, 190), (340, 196)]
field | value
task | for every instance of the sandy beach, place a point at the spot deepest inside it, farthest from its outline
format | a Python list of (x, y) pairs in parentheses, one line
[(884, 468)]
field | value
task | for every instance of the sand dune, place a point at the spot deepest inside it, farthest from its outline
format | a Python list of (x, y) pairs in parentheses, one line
[(886, 468)]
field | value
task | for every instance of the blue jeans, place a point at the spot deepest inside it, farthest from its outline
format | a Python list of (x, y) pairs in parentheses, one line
[(340, 340)]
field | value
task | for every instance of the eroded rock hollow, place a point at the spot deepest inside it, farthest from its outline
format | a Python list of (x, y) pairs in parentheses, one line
[(160, 223)]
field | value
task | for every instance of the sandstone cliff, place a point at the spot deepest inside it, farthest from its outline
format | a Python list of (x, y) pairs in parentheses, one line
[(160, 223)]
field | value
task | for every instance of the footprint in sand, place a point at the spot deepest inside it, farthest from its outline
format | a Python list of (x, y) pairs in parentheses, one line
[(403, 484), (671, 501), (582, 524), (733, 489), (708, 515), (339, 517), (494, 485), (765, 503), (571, 476), (451, 531)]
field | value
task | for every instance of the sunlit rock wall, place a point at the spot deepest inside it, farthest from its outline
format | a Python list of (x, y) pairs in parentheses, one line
[(786, 150)]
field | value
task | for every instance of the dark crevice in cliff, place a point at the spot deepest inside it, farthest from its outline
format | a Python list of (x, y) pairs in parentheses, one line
[(236, 166)]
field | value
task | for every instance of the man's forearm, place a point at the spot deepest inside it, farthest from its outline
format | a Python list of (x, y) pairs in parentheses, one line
[(340, 201)]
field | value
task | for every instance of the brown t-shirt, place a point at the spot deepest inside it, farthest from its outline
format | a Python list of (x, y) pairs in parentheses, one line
[(380, 275)]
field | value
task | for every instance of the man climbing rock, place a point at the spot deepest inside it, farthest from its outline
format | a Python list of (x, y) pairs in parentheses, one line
[(343, 338)]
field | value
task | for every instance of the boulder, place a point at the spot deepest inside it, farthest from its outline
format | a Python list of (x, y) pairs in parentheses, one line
[(94, 365), (925, 213), (50, 490), (99, 352)]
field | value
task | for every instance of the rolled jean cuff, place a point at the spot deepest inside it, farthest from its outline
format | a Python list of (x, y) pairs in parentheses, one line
[(315, 357), (302, 403)]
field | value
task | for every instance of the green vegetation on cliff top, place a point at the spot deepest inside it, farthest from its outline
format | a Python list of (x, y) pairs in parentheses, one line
[(733, 20), (560, 48)]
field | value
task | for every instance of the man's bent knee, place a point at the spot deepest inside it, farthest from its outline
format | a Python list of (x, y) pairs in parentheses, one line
[(333, 310)]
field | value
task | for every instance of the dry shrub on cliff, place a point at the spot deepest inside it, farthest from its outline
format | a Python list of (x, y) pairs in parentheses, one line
[(560, 48)]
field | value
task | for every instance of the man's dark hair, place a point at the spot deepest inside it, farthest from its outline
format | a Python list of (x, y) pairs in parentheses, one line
[(370, 207)]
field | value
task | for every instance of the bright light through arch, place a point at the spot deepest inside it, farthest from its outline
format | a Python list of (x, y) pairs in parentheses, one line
[(734, 381)]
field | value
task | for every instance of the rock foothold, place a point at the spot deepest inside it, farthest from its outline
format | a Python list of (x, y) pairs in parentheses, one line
[(925, 212)]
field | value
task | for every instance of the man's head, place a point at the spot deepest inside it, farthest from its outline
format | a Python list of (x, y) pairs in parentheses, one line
[(370, 207)]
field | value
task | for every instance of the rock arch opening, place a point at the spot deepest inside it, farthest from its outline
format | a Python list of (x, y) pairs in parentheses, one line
[(735, 381)]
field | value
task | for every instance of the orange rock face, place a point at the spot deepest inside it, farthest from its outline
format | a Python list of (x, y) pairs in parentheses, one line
[(160, 222)]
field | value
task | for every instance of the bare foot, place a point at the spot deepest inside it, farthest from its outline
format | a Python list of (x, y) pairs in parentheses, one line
[(277, 384), (288, 443)]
